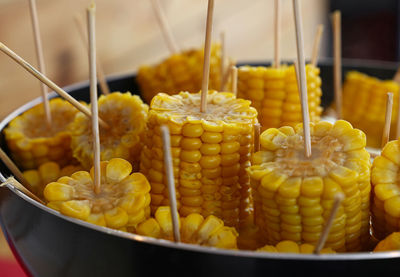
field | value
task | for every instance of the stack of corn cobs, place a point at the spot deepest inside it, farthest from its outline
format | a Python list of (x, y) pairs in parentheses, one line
[(228, 195)]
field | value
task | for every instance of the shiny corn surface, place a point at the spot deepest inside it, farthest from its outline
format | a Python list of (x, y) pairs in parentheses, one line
[(293, 195), (275, 95), (364, 105), (47, 173), (390, 243), (210, 153), (126, 116), (123, 202), (194, 229), (179, 72), (288, 246), (33, 143), (386, 191)]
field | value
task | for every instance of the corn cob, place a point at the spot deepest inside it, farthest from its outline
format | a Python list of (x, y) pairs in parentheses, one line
[(274, 93), (369, 114), (194, 229), (124, 200), (293, 195), (180, 72), (127, 116), (210, 152), (288, 246), (33, 143), (47, 173), (390, 243), (386, 192)]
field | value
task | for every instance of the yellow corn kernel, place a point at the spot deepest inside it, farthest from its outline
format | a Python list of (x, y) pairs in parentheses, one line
[(294, 194), (149, 228), (33, 143), (214, 151), (58, 192), (126, 115), (79, 209), (118, 169), (123, 200)]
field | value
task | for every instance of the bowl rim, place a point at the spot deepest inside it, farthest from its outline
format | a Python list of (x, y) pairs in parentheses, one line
[(356, 256)]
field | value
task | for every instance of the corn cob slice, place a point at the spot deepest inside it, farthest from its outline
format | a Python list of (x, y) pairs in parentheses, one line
[(123, 203), (31, 141), (390, 243), (293, 195), (127, 116), (369, 114), (274, 93), (47, 173), (386, 191), (194, 229), (288, 246), (180, 72), (210, 152)]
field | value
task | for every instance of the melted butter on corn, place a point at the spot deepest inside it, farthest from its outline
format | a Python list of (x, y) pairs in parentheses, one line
[(127, 116), (293, 195), (123, 201), (210, 152), (33, 143), (194, 229)]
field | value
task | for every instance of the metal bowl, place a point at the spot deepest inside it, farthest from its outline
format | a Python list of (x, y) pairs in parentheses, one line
[(47, 243)]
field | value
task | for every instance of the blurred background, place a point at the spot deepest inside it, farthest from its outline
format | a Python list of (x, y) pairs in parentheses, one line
[(128, 36)]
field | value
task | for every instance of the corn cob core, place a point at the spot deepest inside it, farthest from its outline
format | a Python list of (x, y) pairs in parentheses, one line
[(275, 95), (364, 105), (33, 143), (194, 229), (288, 246), (179, 72), (210, 152), (47, 173), (126, 115), (390, 243), (386, 191), (122, 203), (293, 195)]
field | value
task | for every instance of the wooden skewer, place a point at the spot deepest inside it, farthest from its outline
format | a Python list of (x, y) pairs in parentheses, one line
[(277, 34), (17, 173), (100, 73), (257, 130), (39, 55), (398, 117), (234, 77), (388, 119), (207, 54), (223, 51), (164, 26), (337, 64), (339, 197), (316, 45), (20, 187), (169, 172), (227, 74), (91, 19), (303, 81), (48, 82)]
